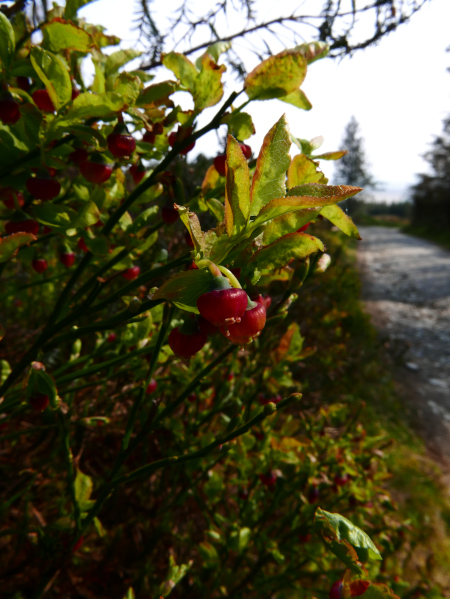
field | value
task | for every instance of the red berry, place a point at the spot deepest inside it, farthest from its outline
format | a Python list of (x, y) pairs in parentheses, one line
[(265, 399), (187, 340), (207, 327), (188, 240), (335, 591), (82, 245), (246, 150), (8, 195), (78, 156), (259, 435), (43, 187), (303, 228), (137, 172), (223, 305), (149, 137), (243, 495), (67, 258), (313, 495), (120, 143), (39, 265), (9, 110), (95, 169), (111, 337), (39, 402), (151, 387), (341, 481), (131, 273), (179, 136), (268, 480), (251, 324), (78, 544), (22, 226), (192, 397), (219, 164), (169, 214), (75, 92), (305, 538), (43, 101), (158, 128), (23, 83)]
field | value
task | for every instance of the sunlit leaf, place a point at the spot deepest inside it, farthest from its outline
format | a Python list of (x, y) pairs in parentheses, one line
[(118, 59), (237, 191), (282, 251), (72, 7), (277, 76), (313, 50), (341, 220), (54, 75), (298, 99), (7, 42), (331, 155), (157, 94), (190, 219), (182, 67), (59, 35), (288, 223), (303, 170), (240, 125), (208, 89)]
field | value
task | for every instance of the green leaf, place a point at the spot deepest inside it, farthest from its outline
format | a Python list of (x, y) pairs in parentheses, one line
[(98, 85), (216, 208), (83, 491), (136, 331), (289, 247), (65, 36), (157, 94), (303, 170), (128, 87), (338, 528), (273, 162), (7, 42), (54, 75), (277, 76), (145, 218), (62, 217), (5, 368), (237, 190), (331, 155), (184, 289), (89, 105), (313, 51), (215, 50), (298, 99), (99, 245), (118, 59), (329, 194), (288, 223), (379, 591), (190, 220), (208, 89), (240, 125), (182, 68), (72, 6), (9, 246), (130, 594), (40, 381), (291, 344), (338, 217), (307, 147), (174, 575)]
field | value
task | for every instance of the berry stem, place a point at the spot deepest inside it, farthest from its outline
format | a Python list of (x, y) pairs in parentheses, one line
[(230, 276), (215, 270), (70, 471)]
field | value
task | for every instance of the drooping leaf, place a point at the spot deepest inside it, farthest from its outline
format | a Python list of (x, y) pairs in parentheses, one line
[(208, 88), (63, 217), (9, 246), (273, 162), (7, 42), (289, 247), (184, 289), (288, 223), (60, 35), (303, 170), (190, 219), (277, 76), (298, 99), (83, 491), (118, 59), (338, 528), (72, 6), (54, 75), (182, 67), (216, 208), (341, 220), (331, 155), (313, 50), (237, 190)]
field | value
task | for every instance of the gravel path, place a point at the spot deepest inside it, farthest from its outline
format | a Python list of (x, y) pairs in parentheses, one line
[(406, 289)]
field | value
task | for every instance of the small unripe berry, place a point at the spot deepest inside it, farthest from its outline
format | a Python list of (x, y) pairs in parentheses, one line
[(187, 340), (82, 245), (335, 591), (111, 337), (95, 169), (137, 172)]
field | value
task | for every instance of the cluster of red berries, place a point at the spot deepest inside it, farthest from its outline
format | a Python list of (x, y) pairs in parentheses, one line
[(221, 159), (357, 588), (223, 308)]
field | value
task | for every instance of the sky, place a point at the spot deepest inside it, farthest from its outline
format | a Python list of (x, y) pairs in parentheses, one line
[(398, 91)]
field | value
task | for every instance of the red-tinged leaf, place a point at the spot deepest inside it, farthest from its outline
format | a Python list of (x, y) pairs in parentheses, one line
[(291, 344), (237, 190), (330, 194), (288, 223), (298, 99), (331, 155), (61, 35), (273, 162), (182, 67), (53, 73), (208, 88), (284, 250), (211, 179), (379, 591), (277, 76), (9, 246), (313, 50), (2, 334), (303, 170), (184, 289), (341, 220), (190, 219), (358, 587)]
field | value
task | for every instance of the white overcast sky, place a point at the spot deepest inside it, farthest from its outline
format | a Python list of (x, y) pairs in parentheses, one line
[(398, 90)]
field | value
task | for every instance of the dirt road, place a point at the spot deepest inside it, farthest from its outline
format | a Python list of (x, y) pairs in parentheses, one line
[(406, 289)]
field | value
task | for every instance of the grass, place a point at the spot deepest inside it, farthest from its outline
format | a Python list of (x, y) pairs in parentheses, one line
[(441, 238)]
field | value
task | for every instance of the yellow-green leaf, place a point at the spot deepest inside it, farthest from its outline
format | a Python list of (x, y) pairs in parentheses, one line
[(9, 246), (277, 76), (273, 162), (182, 67), (128, 87), (288, 223), (240, 125), (190, 219), (65, 36), (157, 94), (297, 98), (237, 190), (118, 59), (7, 42), (208, 89), (89, 105), (289, 247), (330, 194), (341, 220), (313, 50), (303, 170), (54, 75), (331, 155)]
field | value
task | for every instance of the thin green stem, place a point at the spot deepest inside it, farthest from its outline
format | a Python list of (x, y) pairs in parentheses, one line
[(70, 472)]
